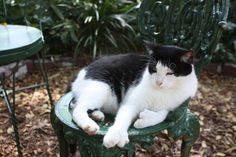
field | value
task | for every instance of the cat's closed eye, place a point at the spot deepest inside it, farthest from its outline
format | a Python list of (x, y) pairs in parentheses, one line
[(152, 69), (170, 73)]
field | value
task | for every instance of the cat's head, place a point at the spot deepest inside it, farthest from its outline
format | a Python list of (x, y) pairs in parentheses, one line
[(168, 65)]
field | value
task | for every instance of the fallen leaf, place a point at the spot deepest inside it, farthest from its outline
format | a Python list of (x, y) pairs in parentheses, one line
[(234, 127), (10, 130), (29, 115), (218, 137), (220, 154), (204, 145)]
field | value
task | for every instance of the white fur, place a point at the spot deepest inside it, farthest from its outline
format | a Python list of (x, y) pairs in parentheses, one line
[(150, 101), (97, 115), (91, 94), (96, 94), (149, 118)]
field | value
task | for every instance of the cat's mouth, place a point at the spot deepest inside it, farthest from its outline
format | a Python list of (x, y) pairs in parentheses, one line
[(162, 85)]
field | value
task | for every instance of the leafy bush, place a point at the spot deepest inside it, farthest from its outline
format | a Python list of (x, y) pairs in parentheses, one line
[(98, 27), (88, 26)]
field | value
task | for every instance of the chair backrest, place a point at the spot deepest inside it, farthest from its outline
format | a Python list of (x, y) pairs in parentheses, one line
[(192, 24)]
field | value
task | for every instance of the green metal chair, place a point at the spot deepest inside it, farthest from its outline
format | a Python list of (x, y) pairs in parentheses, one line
[(193, 24), (18, 42)]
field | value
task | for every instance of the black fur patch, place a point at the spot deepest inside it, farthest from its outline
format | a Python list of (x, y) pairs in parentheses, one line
[(169, 56), (119, 71)]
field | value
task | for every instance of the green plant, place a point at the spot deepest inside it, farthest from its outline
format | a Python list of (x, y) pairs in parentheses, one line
[(80, 26), (96, 26)]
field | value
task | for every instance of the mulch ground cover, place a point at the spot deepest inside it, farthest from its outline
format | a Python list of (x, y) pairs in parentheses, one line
[(215, 105)]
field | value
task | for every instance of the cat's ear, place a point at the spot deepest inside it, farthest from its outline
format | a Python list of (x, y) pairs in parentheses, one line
[(187, 57), (150, 46)]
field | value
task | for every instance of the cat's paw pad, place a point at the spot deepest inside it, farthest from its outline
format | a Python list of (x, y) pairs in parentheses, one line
[(97, 115), (115, 137)]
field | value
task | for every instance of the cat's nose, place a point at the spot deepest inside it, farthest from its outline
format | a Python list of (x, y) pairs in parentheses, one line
[(159, 83)]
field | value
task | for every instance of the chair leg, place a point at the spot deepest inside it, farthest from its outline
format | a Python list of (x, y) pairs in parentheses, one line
[(13, 117), (63, 145), (192, 132), (73, 148), (45, 77), (58, 129), (186, 147), (14, 70), (17, 136), (13, 88), (188, 130)]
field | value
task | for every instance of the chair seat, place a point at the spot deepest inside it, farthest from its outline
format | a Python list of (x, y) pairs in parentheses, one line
[(18, 42), (180, 123), (63, 113)]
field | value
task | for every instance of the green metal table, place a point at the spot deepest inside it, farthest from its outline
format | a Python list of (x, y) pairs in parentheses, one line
[(18, 42)]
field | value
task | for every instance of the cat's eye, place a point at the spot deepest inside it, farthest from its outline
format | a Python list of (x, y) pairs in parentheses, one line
[(170, 73), (152, 69)]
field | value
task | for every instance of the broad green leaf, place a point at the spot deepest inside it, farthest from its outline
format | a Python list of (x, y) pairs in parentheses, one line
[(57, 11)]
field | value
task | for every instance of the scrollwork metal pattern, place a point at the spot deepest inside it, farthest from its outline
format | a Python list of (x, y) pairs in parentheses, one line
[(193, 24)]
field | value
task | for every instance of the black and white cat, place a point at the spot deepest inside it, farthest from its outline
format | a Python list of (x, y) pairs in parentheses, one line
[(139, 88)]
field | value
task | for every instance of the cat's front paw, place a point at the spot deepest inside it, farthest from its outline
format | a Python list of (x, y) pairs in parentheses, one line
[(149, 118), (87, 125), (115, 136), (97, 115), (143, 120), (91, 129)]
